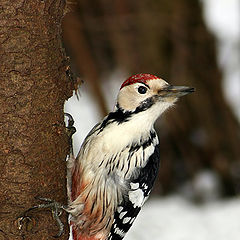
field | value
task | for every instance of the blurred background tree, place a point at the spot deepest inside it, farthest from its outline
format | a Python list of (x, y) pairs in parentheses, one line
[(169, 39)]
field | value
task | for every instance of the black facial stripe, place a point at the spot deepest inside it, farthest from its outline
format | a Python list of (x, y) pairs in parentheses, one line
[(121, 116), (146, 104)]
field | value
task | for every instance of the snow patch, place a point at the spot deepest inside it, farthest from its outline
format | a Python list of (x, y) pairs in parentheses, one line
[(175, 218)]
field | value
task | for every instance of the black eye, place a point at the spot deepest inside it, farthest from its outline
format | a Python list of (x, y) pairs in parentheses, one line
[(142, 90)]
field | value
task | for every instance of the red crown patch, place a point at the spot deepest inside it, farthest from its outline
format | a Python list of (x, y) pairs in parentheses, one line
[(142, 77)]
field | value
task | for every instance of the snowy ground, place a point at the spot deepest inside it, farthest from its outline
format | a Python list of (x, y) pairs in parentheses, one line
[(174, 218)]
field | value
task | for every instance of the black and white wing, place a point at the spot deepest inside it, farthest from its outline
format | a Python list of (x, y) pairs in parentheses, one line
[(139, 190)]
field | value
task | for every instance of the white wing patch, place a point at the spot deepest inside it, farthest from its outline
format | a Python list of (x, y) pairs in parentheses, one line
[(122, 214), (126, 220), (119, 209), (134, 186), (149, 150), (119, 232), (136, 197)]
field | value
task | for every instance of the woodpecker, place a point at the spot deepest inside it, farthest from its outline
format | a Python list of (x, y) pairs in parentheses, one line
[(118, 162)]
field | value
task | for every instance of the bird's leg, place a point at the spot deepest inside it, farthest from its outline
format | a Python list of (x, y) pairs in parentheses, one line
[(56, 209), (70, 129)]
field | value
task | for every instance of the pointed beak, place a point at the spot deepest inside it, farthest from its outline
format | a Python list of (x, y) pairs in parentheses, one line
[(175, 91)]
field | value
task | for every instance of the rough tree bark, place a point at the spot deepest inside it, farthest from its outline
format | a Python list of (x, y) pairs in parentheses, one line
[(33, 142)]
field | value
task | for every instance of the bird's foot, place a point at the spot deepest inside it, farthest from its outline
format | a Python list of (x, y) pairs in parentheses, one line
[(56, 209)]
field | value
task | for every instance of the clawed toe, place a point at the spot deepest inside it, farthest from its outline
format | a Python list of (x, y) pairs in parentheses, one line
[(56, 209)]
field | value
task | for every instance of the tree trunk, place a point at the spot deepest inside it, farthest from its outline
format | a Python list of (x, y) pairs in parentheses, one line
[(33, 142)]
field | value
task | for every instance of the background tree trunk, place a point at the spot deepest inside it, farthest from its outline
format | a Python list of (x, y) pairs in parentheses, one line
[(33, 142), (169, 39)]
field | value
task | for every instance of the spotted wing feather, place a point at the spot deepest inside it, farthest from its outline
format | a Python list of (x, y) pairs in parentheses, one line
[(139, 190)]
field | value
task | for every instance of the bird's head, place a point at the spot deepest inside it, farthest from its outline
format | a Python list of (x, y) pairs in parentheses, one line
[(141, 92)]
